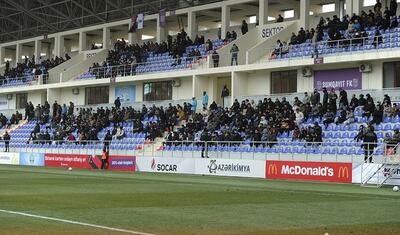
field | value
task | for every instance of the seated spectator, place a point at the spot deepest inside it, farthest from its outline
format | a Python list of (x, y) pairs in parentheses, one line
[(329, 117), (279, 18)]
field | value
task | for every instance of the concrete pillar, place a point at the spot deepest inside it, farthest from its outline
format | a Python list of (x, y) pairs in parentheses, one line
[(357, 6), (106, 38), (225, 20), (18, 53), (263, 12), (82, 41), (341, 8), (38, 50), (59, 46), (2, 55), (160, 31), (192, 25), (349, 7), (305, 14)]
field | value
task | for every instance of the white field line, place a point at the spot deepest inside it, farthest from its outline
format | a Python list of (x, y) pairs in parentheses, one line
[(75, 222)]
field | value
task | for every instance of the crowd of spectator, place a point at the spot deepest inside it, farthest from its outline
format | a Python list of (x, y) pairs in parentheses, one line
[(30, 67), (128, 56), (349, 29)]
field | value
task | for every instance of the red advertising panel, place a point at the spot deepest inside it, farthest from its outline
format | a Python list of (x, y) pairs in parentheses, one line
[(72, 160), (122, 163), (114, 163), (318, 171)]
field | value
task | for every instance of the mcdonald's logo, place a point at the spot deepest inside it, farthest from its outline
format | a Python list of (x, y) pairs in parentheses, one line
[(343, 172), (272, 169)]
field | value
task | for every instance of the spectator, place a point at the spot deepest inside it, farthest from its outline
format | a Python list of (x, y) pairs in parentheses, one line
[(299, 117), (205, 100), (234, 53), (104, 159), (329, 118), (6, 139), (244, 28), (370, 141), (224, 94), (279, 18), (107, 140), (215, 58), (393, 7)]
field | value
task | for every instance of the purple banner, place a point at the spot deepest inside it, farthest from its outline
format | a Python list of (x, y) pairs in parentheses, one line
[(162, 17), (348, 79)]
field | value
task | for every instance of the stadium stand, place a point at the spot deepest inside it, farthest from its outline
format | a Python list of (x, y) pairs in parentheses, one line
[(252, 116), (27, 72), (351, 34)]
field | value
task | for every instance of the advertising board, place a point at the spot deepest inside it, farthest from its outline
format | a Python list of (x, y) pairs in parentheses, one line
[(165, 165), (230, 167), (316, 171), (9, 158), (31, 159)]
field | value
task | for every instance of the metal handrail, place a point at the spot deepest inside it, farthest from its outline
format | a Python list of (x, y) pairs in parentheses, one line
[(128, 69), (342, 43)]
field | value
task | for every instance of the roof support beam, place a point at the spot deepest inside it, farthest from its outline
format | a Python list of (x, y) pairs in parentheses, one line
[(33, 16), (55, 10), (88, 11)]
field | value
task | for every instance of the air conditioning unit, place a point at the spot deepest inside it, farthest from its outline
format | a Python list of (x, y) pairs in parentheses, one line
[(307, 72), (75, 91), (9, 96), (176, 83), (365, 68)]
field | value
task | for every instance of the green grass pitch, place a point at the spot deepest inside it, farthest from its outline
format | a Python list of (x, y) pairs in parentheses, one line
[(186, 204)]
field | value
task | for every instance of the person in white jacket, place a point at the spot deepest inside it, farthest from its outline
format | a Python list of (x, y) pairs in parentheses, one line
[(299, 117)]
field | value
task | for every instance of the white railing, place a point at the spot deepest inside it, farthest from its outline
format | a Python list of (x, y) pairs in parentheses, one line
[(312, 151), (332, 48), (140, 68)]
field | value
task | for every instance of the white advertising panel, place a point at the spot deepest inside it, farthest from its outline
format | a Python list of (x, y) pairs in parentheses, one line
[(230, 167), (9, 158), (165, 165), (362, 172)]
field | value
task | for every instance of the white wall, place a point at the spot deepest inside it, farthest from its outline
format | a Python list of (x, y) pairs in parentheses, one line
[(374, 79), (185, 91), (37, 97), (304, 84), (259, 83), (66, 96)]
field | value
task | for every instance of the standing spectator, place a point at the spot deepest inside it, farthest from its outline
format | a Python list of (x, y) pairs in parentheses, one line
[(315, 97), (104, 158), (393, 7), (244, 28), (117, 103), (194, 105), (377, 7), (233, 35), (234, 52), (107, 140), (343, 101), (369, 144), (224, 93), (325, 100), (219, 34), (215, 58), (205, 100), (6, 139)]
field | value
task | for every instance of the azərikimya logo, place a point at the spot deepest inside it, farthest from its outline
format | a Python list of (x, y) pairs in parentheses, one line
[(214, 167)]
